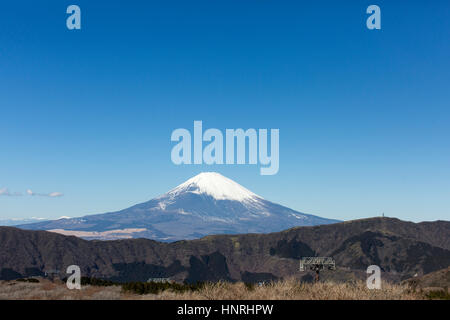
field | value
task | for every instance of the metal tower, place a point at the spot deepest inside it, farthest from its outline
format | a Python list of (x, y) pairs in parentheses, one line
[(316, 264)]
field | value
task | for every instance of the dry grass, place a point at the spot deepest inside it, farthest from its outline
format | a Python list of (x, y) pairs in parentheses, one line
[(47, 290), (281, 290), (292, 290)]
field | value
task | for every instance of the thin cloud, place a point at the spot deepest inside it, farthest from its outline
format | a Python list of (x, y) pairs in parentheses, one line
[(55, 194), (6, 192), (51, 194)]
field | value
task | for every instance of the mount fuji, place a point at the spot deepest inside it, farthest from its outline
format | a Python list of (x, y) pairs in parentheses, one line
[(206, 204)]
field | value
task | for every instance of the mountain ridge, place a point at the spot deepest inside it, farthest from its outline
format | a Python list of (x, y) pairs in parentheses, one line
[(402, 249)]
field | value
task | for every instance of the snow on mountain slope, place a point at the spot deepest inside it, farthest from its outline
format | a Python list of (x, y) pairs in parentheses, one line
[(215, 185), (208, 203)]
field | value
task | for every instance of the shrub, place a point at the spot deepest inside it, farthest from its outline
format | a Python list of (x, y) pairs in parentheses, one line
[(97, 282), (31, 280), (250, 286), (157, 287), (438, 295)]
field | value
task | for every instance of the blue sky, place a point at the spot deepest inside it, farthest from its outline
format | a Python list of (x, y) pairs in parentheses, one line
[(363, 115)]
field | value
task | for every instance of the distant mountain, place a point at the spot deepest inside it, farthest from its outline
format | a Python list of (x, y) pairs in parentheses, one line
[(14, 222), (401, 249), (208, 203)]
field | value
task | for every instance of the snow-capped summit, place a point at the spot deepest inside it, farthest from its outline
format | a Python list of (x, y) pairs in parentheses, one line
[(208, 203), (215, 185)]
